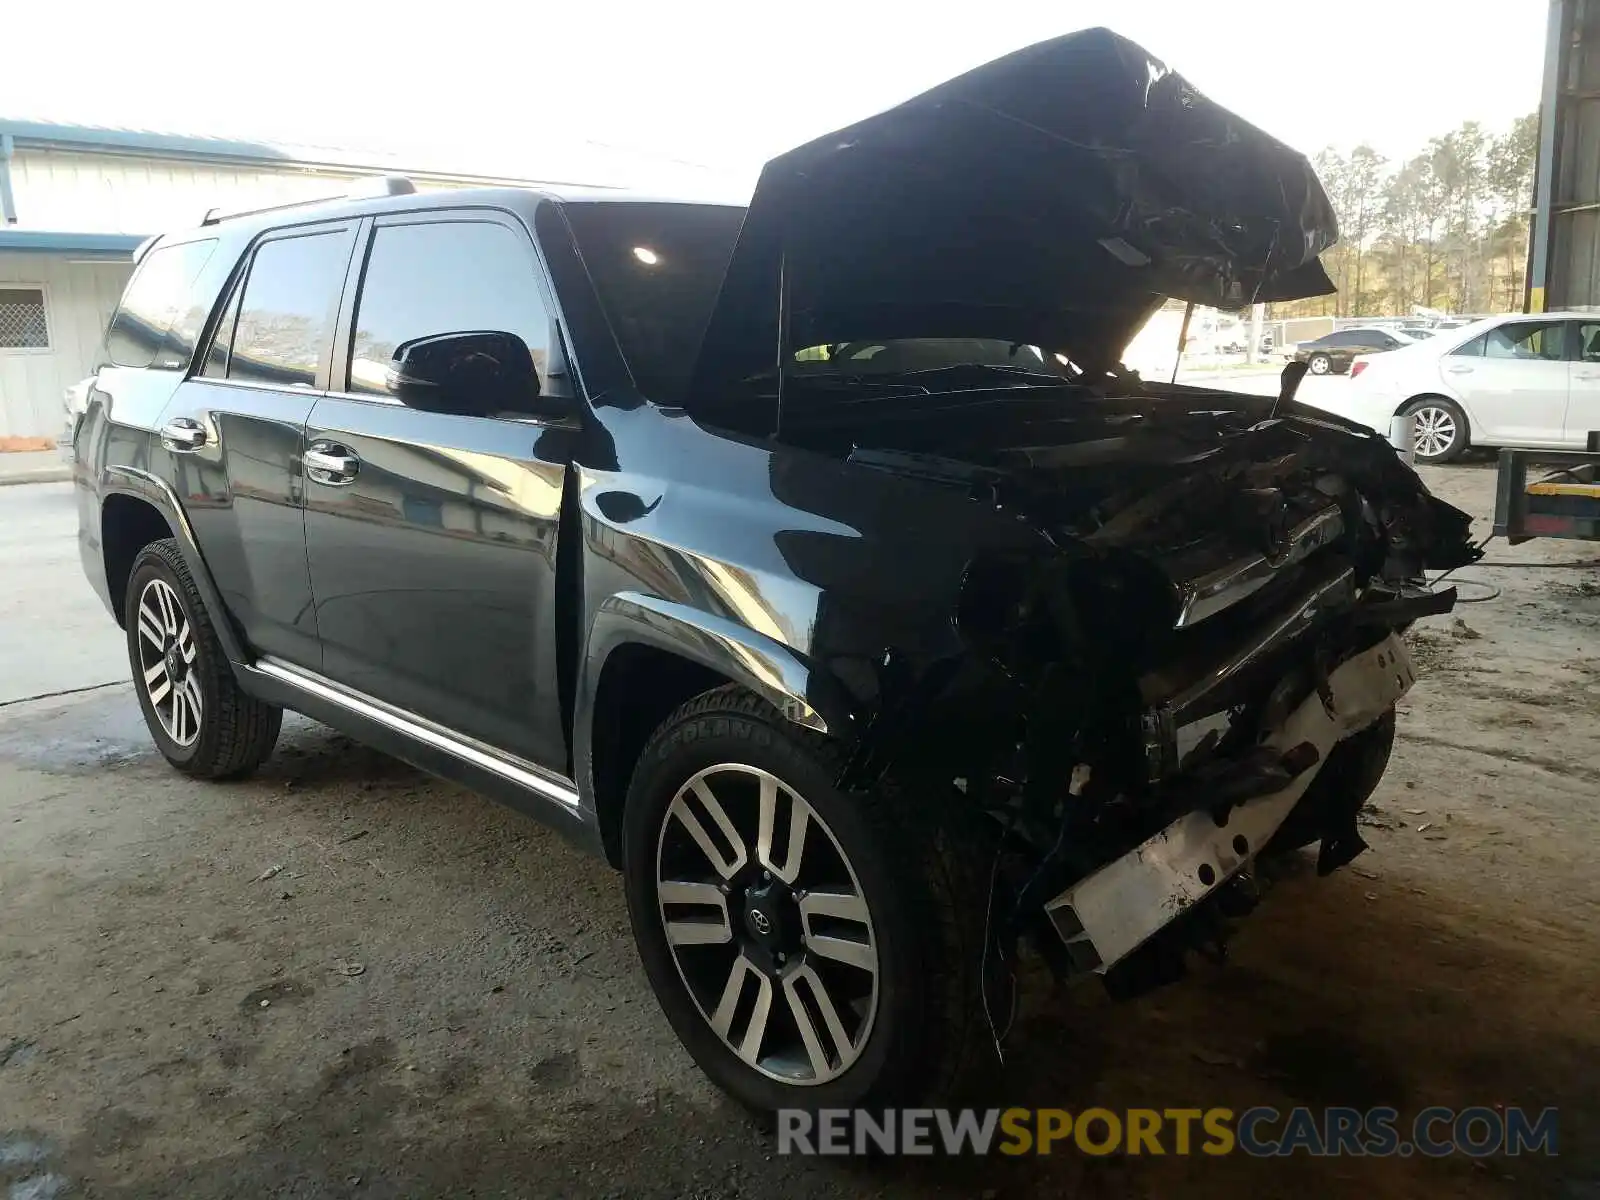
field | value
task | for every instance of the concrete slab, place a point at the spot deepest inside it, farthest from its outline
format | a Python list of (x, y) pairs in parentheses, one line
[(33, 466), (55, 635)]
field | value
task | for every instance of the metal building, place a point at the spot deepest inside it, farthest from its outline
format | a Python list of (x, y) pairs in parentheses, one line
[(1564, 254), (76, 201)]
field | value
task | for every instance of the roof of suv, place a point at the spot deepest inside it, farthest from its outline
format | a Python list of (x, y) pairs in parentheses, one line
[(250, 222)]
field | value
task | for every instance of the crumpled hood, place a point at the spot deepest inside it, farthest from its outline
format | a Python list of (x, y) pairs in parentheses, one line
[(1052, 196)]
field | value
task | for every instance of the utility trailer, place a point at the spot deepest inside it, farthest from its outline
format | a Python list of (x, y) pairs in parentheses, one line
[(1563, 504)]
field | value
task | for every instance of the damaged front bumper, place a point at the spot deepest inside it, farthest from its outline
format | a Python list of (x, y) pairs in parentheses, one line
[(1107, 915)]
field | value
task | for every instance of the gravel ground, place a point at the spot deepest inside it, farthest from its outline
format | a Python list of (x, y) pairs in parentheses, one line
[(343, 978)]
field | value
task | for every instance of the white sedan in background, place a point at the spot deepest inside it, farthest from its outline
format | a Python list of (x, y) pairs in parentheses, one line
[(1527, 380)]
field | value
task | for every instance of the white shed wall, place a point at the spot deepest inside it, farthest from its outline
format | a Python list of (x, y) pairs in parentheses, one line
[(109, 193), (79, 300)]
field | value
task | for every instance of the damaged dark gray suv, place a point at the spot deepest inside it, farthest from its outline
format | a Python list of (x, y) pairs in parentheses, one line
[(815, 563)]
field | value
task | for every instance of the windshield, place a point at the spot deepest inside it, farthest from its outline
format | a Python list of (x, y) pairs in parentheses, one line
[(657, 269)]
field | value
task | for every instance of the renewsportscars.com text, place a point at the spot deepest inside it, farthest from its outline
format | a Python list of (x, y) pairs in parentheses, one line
[(1261, 1132)]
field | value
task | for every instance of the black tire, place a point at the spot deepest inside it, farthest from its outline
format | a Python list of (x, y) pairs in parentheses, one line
[(1432, 413), (922, 868), (236, 732), (1320, 364)]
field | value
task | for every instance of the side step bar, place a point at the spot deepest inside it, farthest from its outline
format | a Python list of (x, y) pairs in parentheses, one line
[(543, 783)]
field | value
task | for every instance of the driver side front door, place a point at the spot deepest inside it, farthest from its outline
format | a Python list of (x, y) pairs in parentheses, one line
[(431, 534)]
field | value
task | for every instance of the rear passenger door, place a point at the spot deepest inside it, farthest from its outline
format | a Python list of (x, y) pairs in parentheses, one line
[(1514, 381), (235, 431), (1583, 397), (432, 547)]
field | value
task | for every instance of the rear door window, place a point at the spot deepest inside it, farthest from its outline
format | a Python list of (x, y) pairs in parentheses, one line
[(1528, 340), (1583, 341), (284, 327), (160, 316)]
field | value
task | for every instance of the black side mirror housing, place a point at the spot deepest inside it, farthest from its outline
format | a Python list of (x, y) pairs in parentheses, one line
[(474, 373)]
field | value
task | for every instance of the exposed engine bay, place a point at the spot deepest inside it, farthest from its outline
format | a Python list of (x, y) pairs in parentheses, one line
[(1215, 565)]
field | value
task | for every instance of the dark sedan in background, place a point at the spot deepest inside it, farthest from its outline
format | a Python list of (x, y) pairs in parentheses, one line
[(1332, 353)]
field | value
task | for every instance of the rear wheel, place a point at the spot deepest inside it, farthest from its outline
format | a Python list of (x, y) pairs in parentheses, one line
[(200, 719), (1440, 434), (812, 949)]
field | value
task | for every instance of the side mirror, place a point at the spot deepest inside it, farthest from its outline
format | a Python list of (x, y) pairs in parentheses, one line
[(475, 373)]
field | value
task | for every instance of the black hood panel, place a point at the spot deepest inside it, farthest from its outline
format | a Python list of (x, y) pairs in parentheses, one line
[(1052, 196)]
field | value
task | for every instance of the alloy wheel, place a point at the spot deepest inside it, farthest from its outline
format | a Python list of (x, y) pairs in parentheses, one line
[(1435, 431), (1320, 364), (767, 924), (167, 662)]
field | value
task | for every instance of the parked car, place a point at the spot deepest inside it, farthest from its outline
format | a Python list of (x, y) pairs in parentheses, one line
[(1332, 353), (513, 485), (1530, 381)]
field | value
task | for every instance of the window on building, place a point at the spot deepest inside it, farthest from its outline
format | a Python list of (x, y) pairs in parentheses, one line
[(160, 288), (445, 277), (23, 325), (286, 316)]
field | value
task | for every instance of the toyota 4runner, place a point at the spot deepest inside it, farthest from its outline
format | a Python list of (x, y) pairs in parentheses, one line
[(815, 563)]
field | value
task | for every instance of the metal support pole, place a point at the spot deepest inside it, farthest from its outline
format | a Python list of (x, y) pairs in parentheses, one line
[(1183, 339), (1541, 237), (1403, 437), (8, 201)]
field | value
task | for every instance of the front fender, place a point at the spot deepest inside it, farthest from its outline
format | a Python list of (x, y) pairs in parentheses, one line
[(800, 691)]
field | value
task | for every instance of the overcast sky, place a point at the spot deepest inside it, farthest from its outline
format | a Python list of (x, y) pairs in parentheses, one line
[(730, 84)]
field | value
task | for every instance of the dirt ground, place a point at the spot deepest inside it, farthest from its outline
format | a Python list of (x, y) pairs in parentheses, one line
[(345, 979)]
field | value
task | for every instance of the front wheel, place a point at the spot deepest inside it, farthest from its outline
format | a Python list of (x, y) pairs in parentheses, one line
[(1440, 432), (1319, 364), (200, 719), (811, 948)]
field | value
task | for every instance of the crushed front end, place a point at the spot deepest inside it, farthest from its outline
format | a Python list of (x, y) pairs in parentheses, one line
[(1198, 673), (1197, 661)]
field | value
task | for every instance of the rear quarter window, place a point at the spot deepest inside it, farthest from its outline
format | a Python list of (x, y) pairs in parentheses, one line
[(160, 315)]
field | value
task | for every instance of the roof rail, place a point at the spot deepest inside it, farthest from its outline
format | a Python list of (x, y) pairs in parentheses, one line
[(383, 185)]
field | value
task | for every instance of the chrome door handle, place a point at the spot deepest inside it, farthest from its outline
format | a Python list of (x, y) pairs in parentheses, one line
[(183, 435), (330, 464)]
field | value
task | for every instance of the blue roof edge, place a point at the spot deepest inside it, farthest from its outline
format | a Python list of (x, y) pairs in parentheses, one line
[(112, 246)]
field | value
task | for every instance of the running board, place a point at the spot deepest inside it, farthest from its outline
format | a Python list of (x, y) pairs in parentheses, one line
[(530, 776), (1106, 916)]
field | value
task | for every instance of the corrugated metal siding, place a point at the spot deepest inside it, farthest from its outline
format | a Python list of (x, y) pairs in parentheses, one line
[(112, 193), (79, 301), (107, 193)]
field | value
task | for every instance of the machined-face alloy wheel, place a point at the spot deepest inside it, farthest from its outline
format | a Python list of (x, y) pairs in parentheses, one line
[(767, 924), (1435, 431), (167, 662)]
